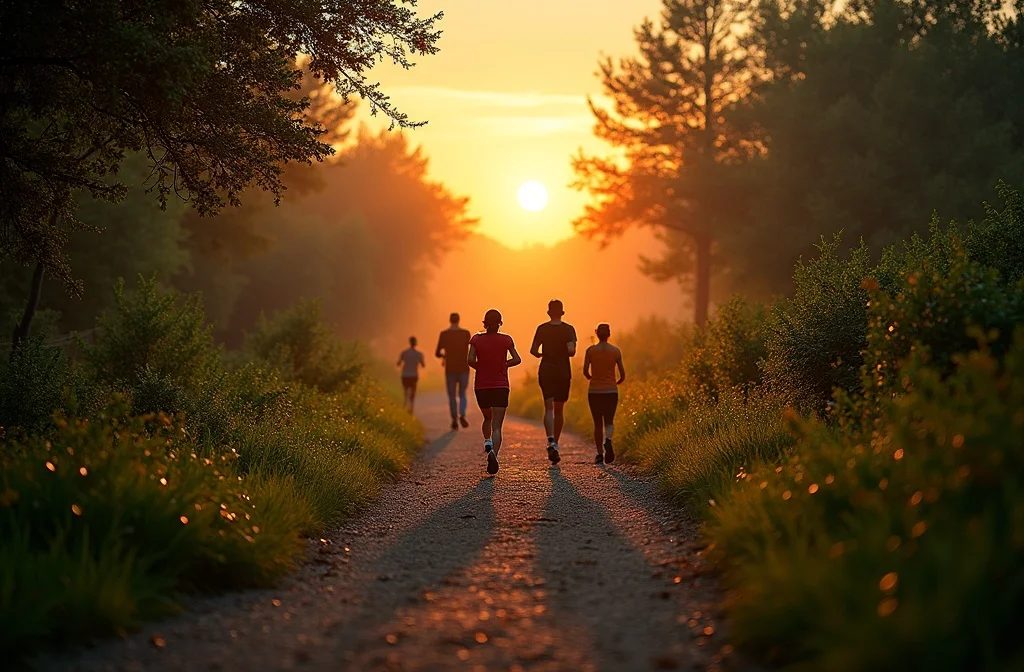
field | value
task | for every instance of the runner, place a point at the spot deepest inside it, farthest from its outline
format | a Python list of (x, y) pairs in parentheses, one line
[(491, 353), (599, 364), (554, 343), (411, 361), (453, 347)]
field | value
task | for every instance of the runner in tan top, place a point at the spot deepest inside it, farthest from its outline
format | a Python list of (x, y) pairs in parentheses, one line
[(599, 367)]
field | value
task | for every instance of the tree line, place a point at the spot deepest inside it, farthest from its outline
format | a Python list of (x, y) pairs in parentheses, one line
[(743, 131), (141, 123)]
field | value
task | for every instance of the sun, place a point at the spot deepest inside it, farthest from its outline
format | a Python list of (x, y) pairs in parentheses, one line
[(533, 196)]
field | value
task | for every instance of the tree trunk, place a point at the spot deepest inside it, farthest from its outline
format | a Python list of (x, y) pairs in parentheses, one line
[(702, 292), (21, 331)]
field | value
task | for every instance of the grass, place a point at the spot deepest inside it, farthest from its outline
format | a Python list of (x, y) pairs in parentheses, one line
[(180, 472)]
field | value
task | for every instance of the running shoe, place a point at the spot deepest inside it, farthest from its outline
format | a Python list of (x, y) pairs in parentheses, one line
[(462, 420), (492, 462), (455, 425), (553, 454), (488, 444), (599, 459), (609, 453)]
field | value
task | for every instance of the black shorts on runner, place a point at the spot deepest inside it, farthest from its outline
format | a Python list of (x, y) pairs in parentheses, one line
[(555, 387), (602, 406), (496, 397), (409, 383)]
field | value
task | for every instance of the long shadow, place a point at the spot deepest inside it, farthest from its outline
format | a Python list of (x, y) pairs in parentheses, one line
[(437, 446), (442, 544), (598, 580)]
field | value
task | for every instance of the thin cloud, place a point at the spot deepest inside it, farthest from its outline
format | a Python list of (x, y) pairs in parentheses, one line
[(488, 98), (537, 126)]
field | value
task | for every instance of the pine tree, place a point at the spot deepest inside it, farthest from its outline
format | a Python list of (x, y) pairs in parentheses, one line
[(672, 131)]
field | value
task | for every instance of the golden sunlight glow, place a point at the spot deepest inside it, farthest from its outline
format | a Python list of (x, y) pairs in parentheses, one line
[(533, 196)]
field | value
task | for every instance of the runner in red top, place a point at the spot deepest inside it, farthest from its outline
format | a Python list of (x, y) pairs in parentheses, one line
[(491, 353)]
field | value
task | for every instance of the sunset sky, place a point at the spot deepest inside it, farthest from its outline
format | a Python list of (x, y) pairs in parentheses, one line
[(505, 102)]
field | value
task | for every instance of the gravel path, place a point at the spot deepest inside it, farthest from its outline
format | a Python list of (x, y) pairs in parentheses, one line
[(574, 567)]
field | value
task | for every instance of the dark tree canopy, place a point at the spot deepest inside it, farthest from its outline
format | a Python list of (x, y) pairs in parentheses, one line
[(671, 125), (201, 88)]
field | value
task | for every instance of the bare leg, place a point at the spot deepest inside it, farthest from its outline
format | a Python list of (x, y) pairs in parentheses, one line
[(598, 436), (549, 417), (559, 419), (486, 426), (412, 398), (499, 419), (609, 428)]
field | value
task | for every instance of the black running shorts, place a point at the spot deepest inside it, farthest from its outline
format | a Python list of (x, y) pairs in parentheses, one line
[(602, 407), (496, 397), (409, 383), (555, 387)]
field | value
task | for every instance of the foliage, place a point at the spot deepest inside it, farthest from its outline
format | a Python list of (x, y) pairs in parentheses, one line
[(726, 356), (200, 88), (862, 136), (815, 338), (892, 545), (34, 381), (124, 512), (672, 119), (302, 348), (349, 232), (130, 505)]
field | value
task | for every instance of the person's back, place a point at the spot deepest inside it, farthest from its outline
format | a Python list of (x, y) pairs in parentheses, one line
[(453, 346), (553, 339), (603, 359), (491, 360), (411, 359)]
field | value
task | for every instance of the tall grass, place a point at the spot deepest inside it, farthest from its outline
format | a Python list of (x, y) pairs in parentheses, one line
[(153, 467)]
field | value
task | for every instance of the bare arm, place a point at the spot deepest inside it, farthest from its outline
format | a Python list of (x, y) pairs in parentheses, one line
[(535, 348), (471, 359), (438, 353), (516, 360), (572, 348), (586, 364), (622, 370)]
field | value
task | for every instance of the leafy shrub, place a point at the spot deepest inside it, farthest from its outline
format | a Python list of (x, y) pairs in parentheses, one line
[(815, 338), (302, 348), (894, 543), (35, 381), (727, 354)]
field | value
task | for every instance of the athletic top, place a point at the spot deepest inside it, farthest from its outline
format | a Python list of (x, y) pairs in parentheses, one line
[(455, 344), (602, 368), (491, 360), (411, 361), (554, 340)]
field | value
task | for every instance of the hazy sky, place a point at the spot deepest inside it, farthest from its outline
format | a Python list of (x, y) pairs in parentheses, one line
[(506, 102)]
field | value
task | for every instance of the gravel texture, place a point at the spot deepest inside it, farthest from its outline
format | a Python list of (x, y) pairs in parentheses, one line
[(574, 567)]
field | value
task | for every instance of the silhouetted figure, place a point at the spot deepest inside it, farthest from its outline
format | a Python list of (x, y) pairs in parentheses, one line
[(453, 347), (491, 353), (411, 361), (554, 343), (599, 364)]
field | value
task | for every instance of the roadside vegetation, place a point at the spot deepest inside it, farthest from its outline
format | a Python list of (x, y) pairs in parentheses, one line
[(856, 450), (148, 462)]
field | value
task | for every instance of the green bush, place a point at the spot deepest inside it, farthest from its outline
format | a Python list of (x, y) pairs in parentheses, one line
[(895, 543), (35, 381), (726, 356), (303, 349), (815, 338)]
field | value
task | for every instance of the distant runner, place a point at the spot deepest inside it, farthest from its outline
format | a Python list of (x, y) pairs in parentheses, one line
[(491, 353), (554, 343), (453, 347), (599, 364), (411, 361)]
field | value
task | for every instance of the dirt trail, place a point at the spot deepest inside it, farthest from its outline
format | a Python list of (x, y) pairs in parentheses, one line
[(574, 567)]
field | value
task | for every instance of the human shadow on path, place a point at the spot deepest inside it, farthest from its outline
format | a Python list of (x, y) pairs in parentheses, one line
[(441, 545), (598, 580)]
